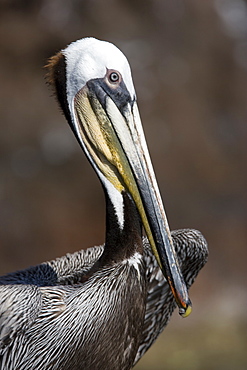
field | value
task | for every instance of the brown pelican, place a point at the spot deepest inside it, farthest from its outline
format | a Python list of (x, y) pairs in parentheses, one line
[(103, 307)]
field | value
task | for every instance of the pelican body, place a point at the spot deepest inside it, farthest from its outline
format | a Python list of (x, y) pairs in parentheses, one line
[(103, 307)]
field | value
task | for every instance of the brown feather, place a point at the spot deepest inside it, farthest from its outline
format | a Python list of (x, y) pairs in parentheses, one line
[(51, 68)]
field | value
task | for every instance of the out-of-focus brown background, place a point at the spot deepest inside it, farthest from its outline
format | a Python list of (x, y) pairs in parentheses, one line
[(189, 64)]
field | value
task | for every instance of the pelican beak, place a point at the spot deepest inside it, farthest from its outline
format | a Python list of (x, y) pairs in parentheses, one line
[(108, 126)]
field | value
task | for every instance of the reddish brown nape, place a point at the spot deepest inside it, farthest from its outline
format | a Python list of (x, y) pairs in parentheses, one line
[(52, 68), (56, 77)]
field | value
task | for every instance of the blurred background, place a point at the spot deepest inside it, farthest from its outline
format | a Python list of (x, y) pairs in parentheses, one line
[(189, 64)]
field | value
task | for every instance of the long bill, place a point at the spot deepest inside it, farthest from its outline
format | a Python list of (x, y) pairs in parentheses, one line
[(114, 141)]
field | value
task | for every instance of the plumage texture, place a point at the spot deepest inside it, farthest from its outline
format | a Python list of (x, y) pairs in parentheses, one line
[(50, 317), (101, 308)]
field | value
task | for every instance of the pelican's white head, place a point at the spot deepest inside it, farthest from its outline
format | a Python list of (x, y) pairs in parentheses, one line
[(90, 58)]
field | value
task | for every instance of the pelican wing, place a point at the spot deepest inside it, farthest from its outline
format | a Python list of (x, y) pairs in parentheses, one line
[(28, 294), (192, 251), (19, 307)]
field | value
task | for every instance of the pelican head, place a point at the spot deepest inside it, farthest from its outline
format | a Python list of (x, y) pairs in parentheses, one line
[(94, 87)]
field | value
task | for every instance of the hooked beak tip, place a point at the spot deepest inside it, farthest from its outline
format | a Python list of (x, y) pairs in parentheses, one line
[(185, 312)]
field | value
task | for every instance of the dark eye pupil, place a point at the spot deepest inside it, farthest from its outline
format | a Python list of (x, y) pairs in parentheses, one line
[(114, 77)]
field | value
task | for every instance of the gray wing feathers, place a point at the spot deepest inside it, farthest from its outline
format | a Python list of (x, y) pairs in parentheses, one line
[(192, 253), (71, 267), (27, 296), (19, 307)]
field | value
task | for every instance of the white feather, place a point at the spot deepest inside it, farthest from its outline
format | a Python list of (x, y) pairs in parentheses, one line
[(90, 58)]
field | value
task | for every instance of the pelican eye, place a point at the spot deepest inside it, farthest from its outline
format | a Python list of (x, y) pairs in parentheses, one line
[(114, 77)]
